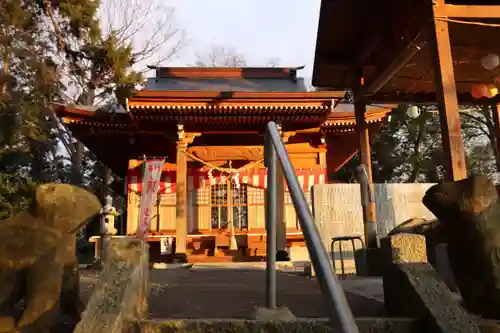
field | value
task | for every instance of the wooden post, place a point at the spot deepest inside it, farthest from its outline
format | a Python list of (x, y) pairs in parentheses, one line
[(496, 119), (181, 202), (364, 153), (446, 93), (181, 196), (331, 152), (281, 253)]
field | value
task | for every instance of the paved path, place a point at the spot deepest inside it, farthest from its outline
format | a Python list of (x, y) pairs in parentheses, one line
[(234, 293)]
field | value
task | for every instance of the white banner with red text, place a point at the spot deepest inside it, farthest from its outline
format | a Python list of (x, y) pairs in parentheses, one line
[(152, 174)]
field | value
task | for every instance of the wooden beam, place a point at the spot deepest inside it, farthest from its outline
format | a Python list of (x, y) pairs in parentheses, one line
[(427, 98), (495, 108), (364, 153), (443, 10), (387, 72), (446, 93)]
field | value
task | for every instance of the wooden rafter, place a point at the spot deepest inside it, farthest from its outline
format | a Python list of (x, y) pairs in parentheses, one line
[(466, 11), (446, 91), (386, 72)]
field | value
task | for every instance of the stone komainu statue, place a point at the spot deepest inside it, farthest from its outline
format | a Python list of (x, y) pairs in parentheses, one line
[(469, 212), (38, 266)]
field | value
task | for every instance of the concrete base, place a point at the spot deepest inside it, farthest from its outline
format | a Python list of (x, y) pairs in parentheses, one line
[(179, 258), (170, 266), (282, 256), (374, 262), (277, 314), (299, 253)]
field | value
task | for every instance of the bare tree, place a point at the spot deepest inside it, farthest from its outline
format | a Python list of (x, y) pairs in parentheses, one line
[(225, 56), (221, 56), (133, 33), (273, 62), (150, 26), (130, 35)]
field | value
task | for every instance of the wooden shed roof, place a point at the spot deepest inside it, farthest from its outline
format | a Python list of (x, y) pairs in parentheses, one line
[(389, 35)]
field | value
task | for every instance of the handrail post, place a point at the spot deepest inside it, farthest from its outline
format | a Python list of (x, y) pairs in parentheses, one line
[(271, 196), (337, 308)]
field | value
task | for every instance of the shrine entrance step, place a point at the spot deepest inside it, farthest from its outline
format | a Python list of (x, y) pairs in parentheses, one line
[(303, 325)]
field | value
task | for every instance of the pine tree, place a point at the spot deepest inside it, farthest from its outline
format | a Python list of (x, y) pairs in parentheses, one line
[(27, 82)]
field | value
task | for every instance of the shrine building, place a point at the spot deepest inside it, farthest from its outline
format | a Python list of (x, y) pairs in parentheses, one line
[(209, 126)]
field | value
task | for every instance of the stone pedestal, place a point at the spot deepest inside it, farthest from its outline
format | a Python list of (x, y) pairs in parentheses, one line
[(412, 288), (395, 250), (119, 299)]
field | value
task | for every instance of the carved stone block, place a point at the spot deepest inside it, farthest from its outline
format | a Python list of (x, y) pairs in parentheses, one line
[(403, 248)]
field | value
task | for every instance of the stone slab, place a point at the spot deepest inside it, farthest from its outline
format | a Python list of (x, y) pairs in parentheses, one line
[(277, 314), (423, 294), (120, 296), (368, 325)]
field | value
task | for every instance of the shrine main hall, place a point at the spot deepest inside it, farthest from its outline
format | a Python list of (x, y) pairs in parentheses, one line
[(209, 124)]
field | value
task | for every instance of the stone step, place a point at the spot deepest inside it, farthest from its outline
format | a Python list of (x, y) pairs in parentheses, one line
[(302, 325)]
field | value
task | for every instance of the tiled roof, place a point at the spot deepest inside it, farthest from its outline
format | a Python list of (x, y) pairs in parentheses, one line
[(227, 79)]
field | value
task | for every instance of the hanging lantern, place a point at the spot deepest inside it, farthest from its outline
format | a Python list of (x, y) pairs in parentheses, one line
[(490, 61), (479, 91), (492, 91), (413, 112)]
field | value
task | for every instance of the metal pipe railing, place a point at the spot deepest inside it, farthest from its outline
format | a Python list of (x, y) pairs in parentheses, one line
[(337, 308)]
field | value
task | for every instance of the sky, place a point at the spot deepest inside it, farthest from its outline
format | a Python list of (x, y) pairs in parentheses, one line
[(258, 29)]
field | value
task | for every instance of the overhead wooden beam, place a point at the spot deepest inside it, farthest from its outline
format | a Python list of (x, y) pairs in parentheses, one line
[(387, 72), (427, 98), (443, 10), (446, 93)]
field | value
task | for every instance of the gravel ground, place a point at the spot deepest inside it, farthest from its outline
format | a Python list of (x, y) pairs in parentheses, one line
[(232, 293)]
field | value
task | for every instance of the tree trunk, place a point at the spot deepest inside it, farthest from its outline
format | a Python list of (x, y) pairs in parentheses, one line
[(5, 71)]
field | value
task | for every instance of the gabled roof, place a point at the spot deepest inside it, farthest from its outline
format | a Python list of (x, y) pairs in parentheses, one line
[(110, 134), (226, 72), (263, 79), (341, 116), (207, 103)]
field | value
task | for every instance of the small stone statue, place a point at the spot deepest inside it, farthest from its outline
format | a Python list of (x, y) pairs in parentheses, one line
[(108, 214), (469, 212), (38, 266)]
